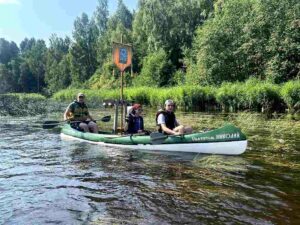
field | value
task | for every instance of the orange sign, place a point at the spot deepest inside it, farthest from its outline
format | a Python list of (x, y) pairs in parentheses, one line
[(122, 55)]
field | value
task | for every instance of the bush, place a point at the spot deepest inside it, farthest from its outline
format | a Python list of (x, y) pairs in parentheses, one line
[(253, 95), (229, 96), (17, 104), (262, 96), (199, 97), (290, 93), (95, 97)]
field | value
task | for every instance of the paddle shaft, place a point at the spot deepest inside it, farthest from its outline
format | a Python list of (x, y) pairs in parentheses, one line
[(51, 124)]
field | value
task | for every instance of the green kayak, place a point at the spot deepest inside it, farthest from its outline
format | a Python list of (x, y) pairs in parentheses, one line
[(227, 140)]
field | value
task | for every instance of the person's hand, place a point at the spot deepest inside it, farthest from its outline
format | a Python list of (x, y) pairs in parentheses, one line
[(140, 131), (177, 133)]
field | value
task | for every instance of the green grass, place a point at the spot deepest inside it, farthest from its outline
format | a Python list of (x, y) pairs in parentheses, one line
[(290, 93), (252, 95)]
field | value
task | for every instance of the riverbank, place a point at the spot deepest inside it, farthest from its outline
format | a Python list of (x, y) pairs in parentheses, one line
[(252, 95), (24, 104)]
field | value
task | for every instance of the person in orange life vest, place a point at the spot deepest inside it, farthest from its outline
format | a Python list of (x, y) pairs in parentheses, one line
[(78, 115), (167, 122), (135, 122)]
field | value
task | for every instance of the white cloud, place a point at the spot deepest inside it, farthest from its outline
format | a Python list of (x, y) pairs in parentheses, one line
[(12, 2)]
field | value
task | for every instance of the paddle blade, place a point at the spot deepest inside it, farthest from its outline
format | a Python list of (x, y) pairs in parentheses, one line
[(50, 124), (106, 118), (157, 138)]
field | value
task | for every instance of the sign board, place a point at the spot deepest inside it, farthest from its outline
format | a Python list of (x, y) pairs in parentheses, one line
[(122, 55)]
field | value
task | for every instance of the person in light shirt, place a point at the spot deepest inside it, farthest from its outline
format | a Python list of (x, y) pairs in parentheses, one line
[(167, 123)]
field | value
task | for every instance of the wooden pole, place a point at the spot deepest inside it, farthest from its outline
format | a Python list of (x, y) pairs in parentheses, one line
[(122, 101), (122, 97), (116, 117)]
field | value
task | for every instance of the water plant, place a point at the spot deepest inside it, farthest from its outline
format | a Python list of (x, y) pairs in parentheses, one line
[(15, 104)]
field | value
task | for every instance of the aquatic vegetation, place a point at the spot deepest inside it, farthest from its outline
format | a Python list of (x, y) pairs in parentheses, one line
[(221, 163), (22, 104)]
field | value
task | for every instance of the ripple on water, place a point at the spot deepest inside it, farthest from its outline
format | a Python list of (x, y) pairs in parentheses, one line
[(46, 180)]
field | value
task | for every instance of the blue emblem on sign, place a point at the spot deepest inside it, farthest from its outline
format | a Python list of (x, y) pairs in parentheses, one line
[(123, 55)]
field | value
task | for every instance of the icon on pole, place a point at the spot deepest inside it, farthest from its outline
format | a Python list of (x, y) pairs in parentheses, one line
[(122, 54)]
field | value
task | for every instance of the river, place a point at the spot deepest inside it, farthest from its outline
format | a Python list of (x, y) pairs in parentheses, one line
[(46, 180)]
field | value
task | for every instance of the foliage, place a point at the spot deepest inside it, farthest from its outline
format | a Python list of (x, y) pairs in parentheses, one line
[(101, 16), (32, 65), (230, 53), (22, 104), (290, 93), (169, 25), (229, 95), (105, 77), (8, 51), (251, 95), (262, 96), (245, 39), (58, 74), (83, 50), (156, 70), (94, 97), (283, 20), (5, 77), (122, 16)]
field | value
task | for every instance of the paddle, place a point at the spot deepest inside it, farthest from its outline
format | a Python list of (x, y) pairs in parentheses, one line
[(49, 124), (158, 138)]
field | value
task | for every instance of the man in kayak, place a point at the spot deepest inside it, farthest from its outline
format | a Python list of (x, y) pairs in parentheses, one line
[(167, 123), (78, 115), (134, 120)]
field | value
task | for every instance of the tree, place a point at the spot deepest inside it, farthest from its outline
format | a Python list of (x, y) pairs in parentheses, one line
[(101, 16), (247, 38), (282, 19), (83, 50), (27, 80), (8, 51), (36, 60), (26, 44), (156, 70), (5, 76), (58, 75), (122, 15), (168, 24), (14, 67)]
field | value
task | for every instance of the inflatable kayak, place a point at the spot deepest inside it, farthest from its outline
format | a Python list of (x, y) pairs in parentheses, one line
[(227, 140)]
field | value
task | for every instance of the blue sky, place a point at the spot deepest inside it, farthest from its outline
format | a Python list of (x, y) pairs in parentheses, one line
[(41, 18)]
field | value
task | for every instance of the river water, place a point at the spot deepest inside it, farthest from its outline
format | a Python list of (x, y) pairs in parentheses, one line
[(46, 180)]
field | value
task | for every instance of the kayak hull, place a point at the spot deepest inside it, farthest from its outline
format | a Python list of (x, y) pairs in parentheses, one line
[(227, 140), (220, 148)]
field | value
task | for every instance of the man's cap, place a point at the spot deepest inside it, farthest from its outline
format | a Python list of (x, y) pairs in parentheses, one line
[(80, 95), (169, 102), (136, 106)]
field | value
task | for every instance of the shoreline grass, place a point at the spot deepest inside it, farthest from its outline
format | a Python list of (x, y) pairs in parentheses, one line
[(252, 95)]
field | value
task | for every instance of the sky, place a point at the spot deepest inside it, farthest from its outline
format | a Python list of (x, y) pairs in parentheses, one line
[(41, 18)]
